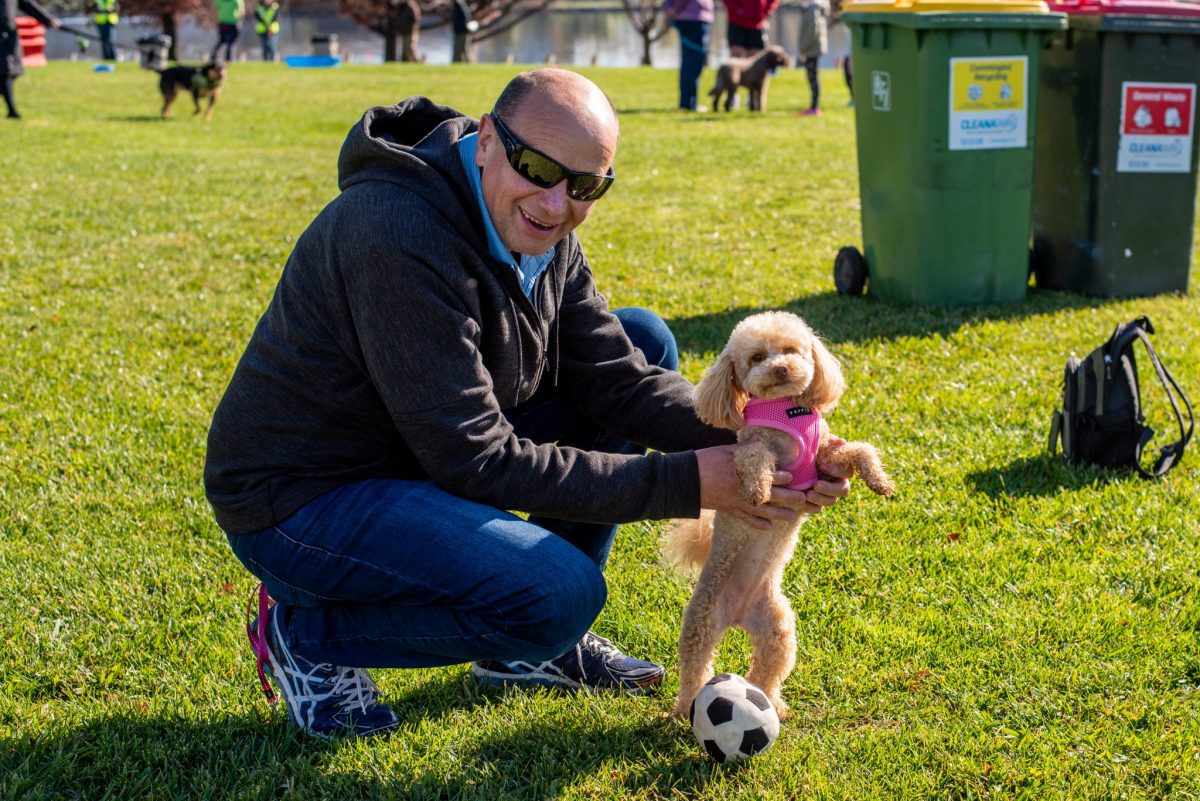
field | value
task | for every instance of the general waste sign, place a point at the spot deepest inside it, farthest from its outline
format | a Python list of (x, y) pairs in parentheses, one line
[(988, 108), (1156, 127)]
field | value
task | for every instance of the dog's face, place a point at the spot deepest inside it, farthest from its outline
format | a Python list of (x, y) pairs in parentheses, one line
[(214, 72), (769, 355), (777, 57)]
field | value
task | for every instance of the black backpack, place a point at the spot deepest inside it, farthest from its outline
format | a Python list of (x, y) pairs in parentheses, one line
[(1101, 421)]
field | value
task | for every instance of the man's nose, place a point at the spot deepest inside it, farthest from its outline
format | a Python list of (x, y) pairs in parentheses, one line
[(554, 200)]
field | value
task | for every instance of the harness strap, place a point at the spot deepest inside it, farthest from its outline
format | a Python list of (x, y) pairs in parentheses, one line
[(1169, 454)]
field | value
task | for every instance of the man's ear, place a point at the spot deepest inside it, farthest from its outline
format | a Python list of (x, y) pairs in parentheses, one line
[(486, 140)]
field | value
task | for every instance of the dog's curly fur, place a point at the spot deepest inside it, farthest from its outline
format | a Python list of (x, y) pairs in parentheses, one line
[(769, 355), (753, 72)]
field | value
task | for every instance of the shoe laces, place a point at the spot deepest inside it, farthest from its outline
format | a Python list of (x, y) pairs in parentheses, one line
[(602, 650), (256, 630), (353, 687)]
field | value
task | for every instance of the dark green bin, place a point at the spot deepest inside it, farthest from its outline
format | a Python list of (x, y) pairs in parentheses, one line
[(1107, 220), (942, 224)]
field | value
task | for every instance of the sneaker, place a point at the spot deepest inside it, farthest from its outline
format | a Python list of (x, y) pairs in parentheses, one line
[(812, 112), (323, 700), (593, 664)]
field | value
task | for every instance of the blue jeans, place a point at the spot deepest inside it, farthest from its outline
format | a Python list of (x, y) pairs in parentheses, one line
[(693, 45), (268, 46), (390, 573), (107, 51)]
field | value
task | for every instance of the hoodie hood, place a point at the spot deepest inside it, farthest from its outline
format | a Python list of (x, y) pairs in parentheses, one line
[(409, 143)]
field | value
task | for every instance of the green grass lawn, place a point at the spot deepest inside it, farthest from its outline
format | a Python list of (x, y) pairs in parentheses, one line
[(1004, 628)]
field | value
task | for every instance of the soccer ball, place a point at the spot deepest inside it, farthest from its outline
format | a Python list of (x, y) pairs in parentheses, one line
[(733, 719)]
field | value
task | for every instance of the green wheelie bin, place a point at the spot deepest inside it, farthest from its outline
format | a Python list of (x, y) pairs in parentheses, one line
[(945, 106), (1114, 203)]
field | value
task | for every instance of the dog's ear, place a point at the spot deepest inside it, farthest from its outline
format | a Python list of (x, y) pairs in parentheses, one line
[(720, 399), (828, 383)]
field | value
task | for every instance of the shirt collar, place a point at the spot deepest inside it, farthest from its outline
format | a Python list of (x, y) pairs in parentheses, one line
[(528, 268)]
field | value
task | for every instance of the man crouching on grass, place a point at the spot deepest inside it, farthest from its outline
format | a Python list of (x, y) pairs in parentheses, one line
[(434, 354)]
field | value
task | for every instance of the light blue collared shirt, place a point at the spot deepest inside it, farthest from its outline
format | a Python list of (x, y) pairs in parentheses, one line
[(529, 267)]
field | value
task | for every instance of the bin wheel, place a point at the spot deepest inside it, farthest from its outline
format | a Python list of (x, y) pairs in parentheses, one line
[(1040, 256), (849, 271)]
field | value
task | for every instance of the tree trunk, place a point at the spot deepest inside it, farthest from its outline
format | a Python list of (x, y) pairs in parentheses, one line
[(169, 29), (389, 40), (646, 39)]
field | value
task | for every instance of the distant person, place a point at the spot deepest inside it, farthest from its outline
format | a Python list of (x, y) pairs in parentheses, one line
[(814, 42), (11, 67), (749, 21), (839, 45), (266, 25), (104, 14), (693, 20), (230, 14), (464, 26)]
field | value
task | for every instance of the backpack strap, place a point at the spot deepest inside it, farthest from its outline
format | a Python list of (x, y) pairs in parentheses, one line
[(1169, 454)]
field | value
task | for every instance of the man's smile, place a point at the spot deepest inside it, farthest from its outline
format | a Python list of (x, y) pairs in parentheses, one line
[(536, 223)]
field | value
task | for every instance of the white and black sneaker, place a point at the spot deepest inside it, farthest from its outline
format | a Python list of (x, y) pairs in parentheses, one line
[(593, 664), (323, 700)]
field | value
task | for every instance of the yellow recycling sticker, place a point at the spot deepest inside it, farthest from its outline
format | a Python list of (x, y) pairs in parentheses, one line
[(988, 108)]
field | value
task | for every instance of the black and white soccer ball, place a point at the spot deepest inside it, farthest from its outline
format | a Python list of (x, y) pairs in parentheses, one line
[(732, 719)]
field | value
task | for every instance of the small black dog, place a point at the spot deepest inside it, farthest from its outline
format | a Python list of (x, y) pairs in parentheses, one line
[(201, 82)]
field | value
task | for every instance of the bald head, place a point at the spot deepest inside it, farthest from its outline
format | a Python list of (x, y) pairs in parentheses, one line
[(563, 99)]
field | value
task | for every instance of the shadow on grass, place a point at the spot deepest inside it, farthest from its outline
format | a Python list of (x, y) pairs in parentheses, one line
[(137, 118), (1041, 475), (844, 318), (216, 755)]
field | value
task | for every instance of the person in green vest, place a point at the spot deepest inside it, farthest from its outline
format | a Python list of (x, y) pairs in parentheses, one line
[(230, 14), (104, 14), (266, 24)]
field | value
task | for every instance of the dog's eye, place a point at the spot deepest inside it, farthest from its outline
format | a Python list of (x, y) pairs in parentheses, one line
[(757, 358), (790, 350)]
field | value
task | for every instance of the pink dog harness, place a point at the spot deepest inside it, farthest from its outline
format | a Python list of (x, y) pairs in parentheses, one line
[(803, 423)]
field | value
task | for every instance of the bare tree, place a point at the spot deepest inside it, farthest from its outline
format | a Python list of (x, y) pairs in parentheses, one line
[(649, 21), (497, 16), (168, 12), (391, 19), (387, 17)]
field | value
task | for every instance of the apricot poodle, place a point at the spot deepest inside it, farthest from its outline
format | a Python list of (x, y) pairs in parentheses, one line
[(772, 383)]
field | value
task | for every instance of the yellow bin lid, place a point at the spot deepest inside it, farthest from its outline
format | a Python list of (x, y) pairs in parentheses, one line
[(949, 6)]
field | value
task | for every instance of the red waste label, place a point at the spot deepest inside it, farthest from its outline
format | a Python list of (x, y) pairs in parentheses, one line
[(1156, 127), (1159, 109)]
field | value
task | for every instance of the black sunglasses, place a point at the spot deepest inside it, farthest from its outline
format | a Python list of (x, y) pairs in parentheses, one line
[(541, 170)]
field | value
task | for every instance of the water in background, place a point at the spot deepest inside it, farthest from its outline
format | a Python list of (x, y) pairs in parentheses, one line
[(572, 36)]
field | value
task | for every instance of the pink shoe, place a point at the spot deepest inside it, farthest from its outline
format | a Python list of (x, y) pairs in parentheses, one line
[(812, 112)]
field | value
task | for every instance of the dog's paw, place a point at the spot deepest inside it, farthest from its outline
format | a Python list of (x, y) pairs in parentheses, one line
[(757, 492), (680, 711), (880, 485)]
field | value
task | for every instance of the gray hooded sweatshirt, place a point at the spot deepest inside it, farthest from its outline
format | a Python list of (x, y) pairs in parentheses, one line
[(395, 342)]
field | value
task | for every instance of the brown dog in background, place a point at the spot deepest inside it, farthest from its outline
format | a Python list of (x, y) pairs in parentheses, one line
[(754, 73), (204, 81)]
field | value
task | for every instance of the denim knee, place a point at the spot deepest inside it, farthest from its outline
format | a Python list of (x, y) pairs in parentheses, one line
[(559, 610), (649, 334)]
